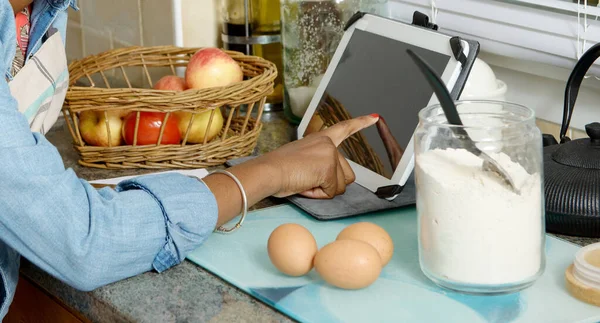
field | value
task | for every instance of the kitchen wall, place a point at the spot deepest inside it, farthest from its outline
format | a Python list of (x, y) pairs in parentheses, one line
[(101, 25)]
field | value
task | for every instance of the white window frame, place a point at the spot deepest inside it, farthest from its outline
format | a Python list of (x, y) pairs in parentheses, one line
[(524, 30), (531, 44)]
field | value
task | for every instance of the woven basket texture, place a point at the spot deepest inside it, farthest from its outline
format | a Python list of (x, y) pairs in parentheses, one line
[(117, 82)]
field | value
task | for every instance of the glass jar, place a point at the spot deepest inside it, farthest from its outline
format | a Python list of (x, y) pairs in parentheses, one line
[(311, 31), (476, 235)]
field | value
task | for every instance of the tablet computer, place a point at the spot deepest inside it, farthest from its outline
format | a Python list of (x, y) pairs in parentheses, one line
[(371, 72)]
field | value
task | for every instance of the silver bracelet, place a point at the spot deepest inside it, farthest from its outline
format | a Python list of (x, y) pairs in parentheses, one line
[(221, 229)]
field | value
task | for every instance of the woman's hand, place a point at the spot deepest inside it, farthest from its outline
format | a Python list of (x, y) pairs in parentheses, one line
[(311, 166)]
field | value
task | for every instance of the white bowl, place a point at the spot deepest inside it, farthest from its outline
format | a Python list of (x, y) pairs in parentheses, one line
[(482, 84)]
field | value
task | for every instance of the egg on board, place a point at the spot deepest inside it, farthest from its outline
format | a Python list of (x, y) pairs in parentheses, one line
[(292, 249), (348, 264), (373, 235)]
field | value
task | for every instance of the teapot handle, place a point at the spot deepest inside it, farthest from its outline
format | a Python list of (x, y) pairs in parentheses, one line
[(572, 90)]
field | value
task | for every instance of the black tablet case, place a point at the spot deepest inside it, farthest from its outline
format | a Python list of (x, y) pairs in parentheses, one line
[(357, 199)]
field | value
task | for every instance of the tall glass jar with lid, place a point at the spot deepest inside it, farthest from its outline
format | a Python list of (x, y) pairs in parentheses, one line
[(311, 31), (476, 233)]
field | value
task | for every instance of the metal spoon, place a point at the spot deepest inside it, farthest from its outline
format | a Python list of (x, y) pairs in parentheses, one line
[(449, 108)]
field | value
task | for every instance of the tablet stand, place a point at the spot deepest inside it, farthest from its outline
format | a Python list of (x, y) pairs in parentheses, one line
[(357, 199), (422, 20)]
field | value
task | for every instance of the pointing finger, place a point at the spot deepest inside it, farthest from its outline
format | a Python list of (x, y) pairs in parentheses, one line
[(341, 131)]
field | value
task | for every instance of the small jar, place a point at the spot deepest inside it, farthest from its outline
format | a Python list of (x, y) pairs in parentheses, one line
[(586, 267), (476, 235)]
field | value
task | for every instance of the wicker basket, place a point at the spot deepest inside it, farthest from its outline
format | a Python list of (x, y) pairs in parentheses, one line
[(103, 83)]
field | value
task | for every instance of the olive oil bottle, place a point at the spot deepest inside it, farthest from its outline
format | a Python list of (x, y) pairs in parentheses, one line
[(267, 22), (253, 27)]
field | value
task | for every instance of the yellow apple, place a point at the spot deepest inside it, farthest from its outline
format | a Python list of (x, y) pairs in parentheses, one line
[(92, 126), (199, 128)]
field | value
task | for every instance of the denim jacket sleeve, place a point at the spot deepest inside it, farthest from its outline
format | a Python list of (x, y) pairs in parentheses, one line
[(88, 237), (83, 236)]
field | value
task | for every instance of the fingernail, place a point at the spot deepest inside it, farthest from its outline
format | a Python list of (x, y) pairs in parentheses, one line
[(374, 115)]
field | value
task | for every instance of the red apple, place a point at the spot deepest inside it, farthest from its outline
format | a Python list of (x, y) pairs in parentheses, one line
[(171, 83), (149, 129), (212, 67), (94, 130)]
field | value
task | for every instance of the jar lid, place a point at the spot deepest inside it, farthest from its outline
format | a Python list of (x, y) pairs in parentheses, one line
[(583, 276)]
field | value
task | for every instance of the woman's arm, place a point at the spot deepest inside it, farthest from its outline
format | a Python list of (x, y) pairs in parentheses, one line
[(88, 237), (312, 167)]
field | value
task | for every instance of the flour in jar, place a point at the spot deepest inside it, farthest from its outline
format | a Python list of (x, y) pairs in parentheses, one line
[(473, 229)]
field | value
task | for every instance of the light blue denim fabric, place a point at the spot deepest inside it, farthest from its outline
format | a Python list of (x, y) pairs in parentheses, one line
[(83, 236)]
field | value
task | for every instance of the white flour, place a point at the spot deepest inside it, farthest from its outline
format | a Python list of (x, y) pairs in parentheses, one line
[(473, 229)]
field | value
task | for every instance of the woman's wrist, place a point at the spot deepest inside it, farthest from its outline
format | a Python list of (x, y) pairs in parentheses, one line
[(259, 178), (268, 172)]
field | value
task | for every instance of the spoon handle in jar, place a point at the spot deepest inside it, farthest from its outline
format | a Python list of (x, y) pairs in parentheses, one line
[(445, 100)]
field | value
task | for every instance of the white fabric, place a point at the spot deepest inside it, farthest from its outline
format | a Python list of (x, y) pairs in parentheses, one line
[(41, 85)]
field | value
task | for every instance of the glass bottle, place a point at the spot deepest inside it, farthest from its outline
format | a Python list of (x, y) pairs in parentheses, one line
[(233, 15), (477, 235), (267, 23), (311, 31), (256, 33)]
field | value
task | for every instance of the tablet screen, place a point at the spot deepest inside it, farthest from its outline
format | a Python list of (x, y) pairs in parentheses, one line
[(375, 75)]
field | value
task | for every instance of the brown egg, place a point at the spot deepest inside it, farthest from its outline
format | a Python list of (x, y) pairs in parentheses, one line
[(292, 249), (348, 264), (373, 235)]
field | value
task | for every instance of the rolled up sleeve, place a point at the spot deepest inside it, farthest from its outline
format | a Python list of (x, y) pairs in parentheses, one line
[(189, 210), (84, 236), (88, 237)]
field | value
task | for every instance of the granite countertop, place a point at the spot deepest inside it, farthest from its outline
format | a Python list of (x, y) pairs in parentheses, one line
[(183, 293)]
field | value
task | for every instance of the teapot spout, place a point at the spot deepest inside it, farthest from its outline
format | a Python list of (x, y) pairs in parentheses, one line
[(548, 140)]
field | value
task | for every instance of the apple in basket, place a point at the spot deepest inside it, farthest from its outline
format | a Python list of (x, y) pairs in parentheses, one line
[(199, 129), (212, 67), (149, 128), (94, 130), (171, 83)]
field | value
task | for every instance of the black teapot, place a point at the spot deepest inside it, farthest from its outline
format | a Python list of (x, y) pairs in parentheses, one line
[(572, 167)]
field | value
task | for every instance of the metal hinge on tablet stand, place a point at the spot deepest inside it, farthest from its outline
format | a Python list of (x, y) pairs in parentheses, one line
[(458, 50), (389, 191), (353, 19), (421, 19)]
